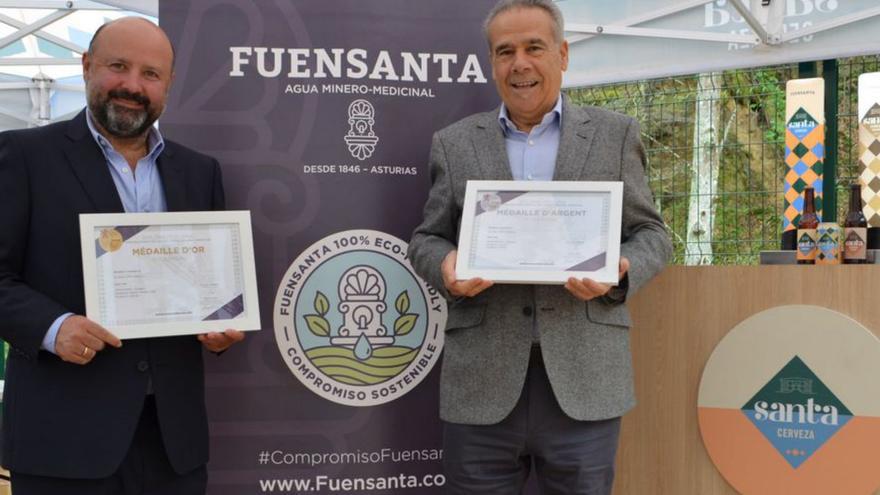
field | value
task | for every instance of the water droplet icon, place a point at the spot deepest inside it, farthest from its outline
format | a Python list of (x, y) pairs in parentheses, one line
[(362, 349)]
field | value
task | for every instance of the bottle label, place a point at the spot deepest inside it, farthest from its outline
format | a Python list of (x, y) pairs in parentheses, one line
[(828, 249), (828, 244), (854, 246), (806, 245)]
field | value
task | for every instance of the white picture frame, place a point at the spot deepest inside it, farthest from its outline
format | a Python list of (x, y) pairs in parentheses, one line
[(540, 232), (162, 274)]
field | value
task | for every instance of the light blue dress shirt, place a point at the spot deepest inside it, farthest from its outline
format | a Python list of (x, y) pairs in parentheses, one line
[(140, 191), (532, 155)]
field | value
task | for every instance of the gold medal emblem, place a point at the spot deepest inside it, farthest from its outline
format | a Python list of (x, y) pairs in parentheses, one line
[(111, 240)]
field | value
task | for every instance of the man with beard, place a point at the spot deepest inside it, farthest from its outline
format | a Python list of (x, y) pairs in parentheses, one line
[(83, 413)]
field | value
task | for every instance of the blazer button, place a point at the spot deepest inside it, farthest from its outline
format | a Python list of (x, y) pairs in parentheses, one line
[(143, 366), (527, 311)]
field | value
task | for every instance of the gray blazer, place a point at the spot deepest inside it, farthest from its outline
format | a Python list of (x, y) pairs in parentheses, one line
[(488, 337)]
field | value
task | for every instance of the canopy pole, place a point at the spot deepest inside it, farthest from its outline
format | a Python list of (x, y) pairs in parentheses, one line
[(829, 190)]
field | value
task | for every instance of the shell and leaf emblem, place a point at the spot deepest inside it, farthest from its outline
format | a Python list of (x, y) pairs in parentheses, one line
[(319, 326)]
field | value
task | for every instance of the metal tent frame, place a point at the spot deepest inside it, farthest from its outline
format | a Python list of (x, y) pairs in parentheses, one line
[(42, 85), (766, 35), (764, 17)]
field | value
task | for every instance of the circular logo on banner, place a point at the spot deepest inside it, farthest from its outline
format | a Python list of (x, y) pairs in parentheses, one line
[(354, 323), (789, 402)]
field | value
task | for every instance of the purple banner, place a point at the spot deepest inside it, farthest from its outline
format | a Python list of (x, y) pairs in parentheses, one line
[(321, 115)]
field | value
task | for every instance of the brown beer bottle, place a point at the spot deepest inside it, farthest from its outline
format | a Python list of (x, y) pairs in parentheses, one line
[(806, 231), (855, 229)]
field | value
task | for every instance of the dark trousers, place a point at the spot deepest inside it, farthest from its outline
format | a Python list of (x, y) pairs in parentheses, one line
[(569, 456), (144, 471)]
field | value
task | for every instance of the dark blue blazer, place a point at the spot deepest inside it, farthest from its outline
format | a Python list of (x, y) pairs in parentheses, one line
[(62, 419)]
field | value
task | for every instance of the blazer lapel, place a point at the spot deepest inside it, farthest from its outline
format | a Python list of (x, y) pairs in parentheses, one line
[(90, 167), (490, 148), (173, 181), (575, 140)]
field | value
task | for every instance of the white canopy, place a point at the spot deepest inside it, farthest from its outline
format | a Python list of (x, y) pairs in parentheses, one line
[(41, 43), (629, 40)]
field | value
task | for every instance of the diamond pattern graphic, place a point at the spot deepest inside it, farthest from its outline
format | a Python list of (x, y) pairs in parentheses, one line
[(869, 176), (811, 177), (796, 412), (804, 155)]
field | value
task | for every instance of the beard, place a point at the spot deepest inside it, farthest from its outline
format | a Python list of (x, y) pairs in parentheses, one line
[(120, 121)]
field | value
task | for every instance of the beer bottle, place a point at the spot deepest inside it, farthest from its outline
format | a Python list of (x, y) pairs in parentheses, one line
[(855, 229), (806, 231)]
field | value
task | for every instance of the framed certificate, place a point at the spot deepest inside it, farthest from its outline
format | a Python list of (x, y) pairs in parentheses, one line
[(540, 232), (162, 274)]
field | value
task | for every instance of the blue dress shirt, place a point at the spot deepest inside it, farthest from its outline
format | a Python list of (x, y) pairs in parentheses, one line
[(532, 155), (140, 191)]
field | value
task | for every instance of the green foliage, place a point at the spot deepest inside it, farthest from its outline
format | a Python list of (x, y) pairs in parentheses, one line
[(764, 92), (322, 305), (402, 303), (405, 322), (316, 323)]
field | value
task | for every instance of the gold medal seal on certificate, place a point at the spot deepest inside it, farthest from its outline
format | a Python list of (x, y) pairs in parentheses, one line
[(110, 240)]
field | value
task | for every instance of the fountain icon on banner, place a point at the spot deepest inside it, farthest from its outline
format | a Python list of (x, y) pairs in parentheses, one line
[(361, 139), (362, 304)]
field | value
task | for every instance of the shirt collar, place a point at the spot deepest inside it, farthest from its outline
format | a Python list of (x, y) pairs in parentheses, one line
[(554, 115), (155, 142)]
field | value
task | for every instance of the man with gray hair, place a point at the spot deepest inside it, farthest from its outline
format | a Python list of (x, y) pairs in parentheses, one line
[(535, 376)]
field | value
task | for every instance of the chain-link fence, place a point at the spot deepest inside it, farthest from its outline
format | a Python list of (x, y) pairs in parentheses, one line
[(715, 147)]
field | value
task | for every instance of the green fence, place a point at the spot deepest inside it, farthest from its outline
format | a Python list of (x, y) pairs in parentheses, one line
[(715, 148)]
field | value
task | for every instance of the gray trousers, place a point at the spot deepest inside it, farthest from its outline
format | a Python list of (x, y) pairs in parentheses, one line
[(570, 457)]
